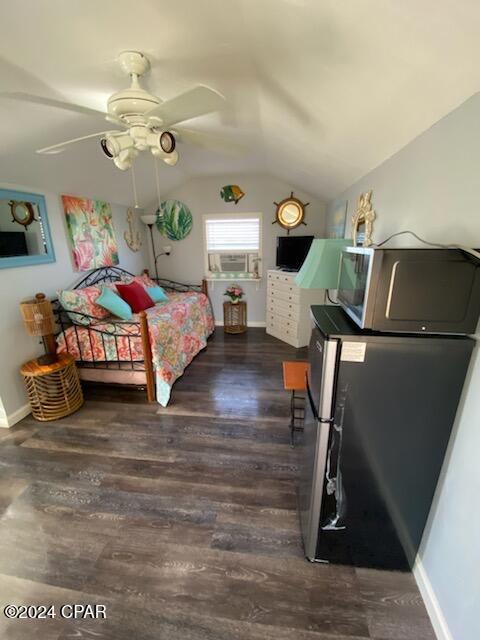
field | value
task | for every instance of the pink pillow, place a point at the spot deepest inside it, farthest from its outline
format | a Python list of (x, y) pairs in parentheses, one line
[(144, 280), (136, 296), (82, 301)]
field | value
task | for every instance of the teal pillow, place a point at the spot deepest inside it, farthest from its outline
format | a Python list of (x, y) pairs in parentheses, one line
[(110, 300), (157, 294)]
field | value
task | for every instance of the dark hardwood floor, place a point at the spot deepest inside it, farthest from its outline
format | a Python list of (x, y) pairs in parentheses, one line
[(181, 520)]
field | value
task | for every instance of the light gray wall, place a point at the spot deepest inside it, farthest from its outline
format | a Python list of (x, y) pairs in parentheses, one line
[(202, 195), (431, 187), (23, 282)]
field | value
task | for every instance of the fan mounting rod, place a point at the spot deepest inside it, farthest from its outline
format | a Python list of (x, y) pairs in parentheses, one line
[(131, 104)]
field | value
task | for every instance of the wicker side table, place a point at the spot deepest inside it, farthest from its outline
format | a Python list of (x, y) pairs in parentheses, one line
[(235, 317), (54, 390)]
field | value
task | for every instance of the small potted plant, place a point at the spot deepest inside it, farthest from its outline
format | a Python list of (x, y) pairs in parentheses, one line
[(235, 293)]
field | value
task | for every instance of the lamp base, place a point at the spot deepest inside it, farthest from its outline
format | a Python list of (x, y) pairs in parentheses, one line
[(48, 358)]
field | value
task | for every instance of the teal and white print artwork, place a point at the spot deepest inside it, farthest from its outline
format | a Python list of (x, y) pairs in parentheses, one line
[(174, 220), (338, 219)]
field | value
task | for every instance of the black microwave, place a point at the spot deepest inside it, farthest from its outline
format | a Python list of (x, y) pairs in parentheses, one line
[(410, 290)]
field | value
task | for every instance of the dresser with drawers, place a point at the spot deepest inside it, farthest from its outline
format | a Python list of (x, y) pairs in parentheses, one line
[(288, 308)]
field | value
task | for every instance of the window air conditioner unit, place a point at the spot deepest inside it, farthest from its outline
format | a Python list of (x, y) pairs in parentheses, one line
[(228, 262)]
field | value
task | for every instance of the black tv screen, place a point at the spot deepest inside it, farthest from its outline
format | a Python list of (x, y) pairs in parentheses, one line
[(292, 251), (13, 243)]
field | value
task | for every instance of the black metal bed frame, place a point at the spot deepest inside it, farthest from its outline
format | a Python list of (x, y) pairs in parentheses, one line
[(119, 329)]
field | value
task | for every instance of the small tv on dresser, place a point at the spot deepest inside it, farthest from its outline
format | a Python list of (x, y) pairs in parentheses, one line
[(292, 251)]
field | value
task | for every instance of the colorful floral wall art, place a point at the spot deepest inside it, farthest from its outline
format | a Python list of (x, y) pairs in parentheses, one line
[(91, 233)]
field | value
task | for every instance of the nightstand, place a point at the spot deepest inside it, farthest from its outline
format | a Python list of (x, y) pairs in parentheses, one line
[(54, 390), (235, 317)]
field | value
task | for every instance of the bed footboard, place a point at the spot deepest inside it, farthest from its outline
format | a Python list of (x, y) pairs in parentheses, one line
[(147, 356), (172, 285)]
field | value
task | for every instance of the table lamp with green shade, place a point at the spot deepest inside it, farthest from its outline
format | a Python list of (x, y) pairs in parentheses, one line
[(321, 266)]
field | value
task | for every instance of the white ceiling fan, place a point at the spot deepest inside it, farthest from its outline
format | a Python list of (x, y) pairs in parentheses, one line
[(145, 119)]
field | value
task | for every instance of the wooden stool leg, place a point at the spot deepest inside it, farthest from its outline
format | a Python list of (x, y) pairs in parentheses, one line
[(292, 419)]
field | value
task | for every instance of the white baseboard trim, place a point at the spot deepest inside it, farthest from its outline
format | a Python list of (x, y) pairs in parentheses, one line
[(250, 323), (8, 421), (432, 605)]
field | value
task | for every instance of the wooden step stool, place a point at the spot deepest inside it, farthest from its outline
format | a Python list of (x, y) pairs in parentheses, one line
[(294, 380)]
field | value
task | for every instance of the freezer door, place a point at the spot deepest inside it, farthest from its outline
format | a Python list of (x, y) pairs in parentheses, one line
[(314, 443)]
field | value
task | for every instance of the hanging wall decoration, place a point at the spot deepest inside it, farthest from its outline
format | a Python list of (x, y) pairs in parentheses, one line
[(174, 220), (338, 219), (132, 236), (362, 221), (22, 212), (91, 233), (231, 193), (290, 213)]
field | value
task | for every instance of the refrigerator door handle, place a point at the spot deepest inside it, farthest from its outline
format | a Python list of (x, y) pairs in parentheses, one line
[(310, 399), (314, 410), (327, 393)]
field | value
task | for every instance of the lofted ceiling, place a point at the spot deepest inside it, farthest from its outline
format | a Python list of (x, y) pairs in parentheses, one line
[(322, 91)]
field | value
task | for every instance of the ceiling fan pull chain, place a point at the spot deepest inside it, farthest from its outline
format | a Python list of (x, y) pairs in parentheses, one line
[(157, 181), (135, 196)]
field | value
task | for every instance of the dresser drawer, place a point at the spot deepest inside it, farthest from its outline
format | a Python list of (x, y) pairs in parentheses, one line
[(289, 287), (283, 325), (279, 276), (285, 309), (286, 296), (282, 333)]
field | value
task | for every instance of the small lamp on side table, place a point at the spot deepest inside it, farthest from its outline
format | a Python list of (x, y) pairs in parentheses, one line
[(39, 321)]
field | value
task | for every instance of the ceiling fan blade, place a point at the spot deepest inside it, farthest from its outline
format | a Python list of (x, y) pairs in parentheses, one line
[(59, 104), (58, 148), (191, 104), (211, 141), (50, 102)]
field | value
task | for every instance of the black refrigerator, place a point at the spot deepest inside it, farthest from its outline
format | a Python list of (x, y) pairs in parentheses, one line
[(379, 412)]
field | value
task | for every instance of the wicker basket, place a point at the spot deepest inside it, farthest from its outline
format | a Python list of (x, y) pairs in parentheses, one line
[(235, 317), (54, 390)]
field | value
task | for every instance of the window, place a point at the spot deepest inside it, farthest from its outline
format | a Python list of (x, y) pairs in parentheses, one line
[(233, 245)]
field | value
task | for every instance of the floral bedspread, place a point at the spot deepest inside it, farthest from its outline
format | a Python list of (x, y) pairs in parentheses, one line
[(178, 331)]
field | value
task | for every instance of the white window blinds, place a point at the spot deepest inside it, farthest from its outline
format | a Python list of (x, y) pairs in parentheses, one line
[(232, 234)]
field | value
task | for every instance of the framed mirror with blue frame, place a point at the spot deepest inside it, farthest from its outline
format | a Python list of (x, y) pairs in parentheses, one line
[(25, 237)]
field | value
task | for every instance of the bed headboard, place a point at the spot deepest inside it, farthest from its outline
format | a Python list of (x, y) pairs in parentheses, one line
[(103, 274), (112, 274)]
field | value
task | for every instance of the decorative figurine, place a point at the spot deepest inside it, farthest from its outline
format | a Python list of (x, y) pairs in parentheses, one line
[(231, 193), (364, 215)]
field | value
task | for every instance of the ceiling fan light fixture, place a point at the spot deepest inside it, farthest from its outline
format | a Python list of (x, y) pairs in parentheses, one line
[(171, 159), (125, 159), (167, 142), (105, 148), (112, 146), (162, 143)]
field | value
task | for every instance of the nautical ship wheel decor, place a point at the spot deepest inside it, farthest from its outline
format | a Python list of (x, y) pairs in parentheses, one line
[(22, 212), (290, 213)]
